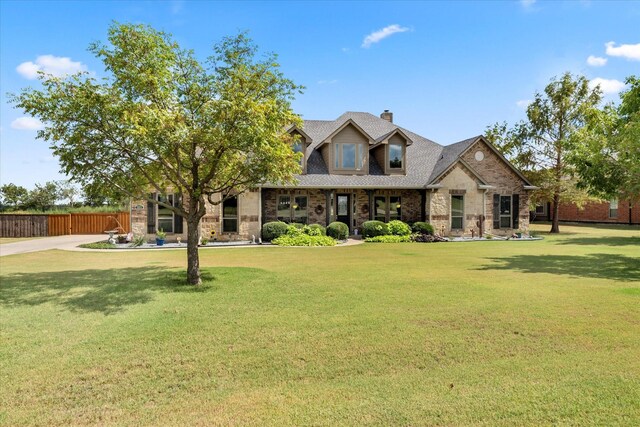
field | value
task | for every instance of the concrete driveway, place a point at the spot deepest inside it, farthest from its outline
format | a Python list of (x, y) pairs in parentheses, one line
[(46, 243)]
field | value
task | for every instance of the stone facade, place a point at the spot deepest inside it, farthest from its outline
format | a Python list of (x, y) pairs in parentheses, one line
[(462, 180), (248, 220), (411, 208)]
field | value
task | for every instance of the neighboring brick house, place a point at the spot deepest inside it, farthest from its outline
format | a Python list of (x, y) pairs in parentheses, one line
[(613, 212), (361, 167)]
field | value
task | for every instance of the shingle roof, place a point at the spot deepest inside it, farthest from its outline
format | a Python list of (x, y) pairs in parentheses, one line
[(426, 160)]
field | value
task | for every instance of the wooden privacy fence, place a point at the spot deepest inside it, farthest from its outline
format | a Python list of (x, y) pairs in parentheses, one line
[(63, 224)]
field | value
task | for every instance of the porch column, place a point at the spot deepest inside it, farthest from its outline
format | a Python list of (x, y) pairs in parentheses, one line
[(423, 205), (371, 207), (327, 196)]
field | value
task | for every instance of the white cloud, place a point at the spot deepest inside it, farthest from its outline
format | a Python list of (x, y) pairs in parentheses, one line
[(596, 61), (327, 82), (627, 51), (607, 86), (527, 3), (523, 103), (26, 123), (57, 66), (377, 36)]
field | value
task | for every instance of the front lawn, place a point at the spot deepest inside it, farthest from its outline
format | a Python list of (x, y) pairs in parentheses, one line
[(479, 333)]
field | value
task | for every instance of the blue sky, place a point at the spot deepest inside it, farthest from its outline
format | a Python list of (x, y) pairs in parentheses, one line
[(445, 69)]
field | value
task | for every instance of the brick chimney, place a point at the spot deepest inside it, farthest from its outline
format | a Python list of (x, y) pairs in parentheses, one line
[(387, 115)]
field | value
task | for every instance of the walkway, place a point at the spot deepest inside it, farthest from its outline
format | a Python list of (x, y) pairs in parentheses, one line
[(47, 243)]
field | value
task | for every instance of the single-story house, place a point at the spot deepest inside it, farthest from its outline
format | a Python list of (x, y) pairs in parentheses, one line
[(615, 211), (361, 167)]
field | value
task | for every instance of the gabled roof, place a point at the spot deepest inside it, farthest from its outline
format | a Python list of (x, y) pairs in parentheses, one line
[(426, 160)]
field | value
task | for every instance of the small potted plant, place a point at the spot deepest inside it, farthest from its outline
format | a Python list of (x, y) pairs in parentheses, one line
[(160, 236), (204, 242)]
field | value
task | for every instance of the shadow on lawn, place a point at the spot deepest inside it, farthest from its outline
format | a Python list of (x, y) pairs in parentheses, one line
[(105, 291), (597, 266), (608, 241)]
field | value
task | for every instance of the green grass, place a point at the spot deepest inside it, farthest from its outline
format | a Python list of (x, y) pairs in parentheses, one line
[(98, 245), (481, 333)]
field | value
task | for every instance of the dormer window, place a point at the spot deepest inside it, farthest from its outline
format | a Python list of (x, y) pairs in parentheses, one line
[(348, 156), (396, 156), (298, 148)]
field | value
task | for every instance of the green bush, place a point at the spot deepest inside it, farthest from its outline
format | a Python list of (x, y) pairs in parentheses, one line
[(389, 239), (317, 230), (98, 245), (423, 228), (138, 240), (338, 230), (374, 228), (272, 230), (303, 239), (398, 228)]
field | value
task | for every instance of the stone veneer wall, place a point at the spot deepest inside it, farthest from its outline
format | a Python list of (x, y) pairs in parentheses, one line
[(410, 204), (494, 172), (248, 225)]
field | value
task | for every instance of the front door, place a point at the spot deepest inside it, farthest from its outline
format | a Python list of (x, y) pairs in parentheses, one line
[(343, 213)]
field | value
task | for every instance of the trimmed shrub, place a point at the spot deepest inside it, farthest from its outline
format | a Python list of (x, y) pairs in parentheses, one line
[(374, 228), (398, 228), (423, 228), (338, 230), (389, 239), (273, 230), (321, 231), (303, 239)]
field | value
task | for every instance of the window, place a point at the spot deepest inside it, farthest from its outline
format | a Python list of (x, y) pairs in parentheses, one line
[(457, 212), (505, 211), (293, 212), (299, 209), (541, 209), (348, 156), (396, 154), (165, 215), (299, 148), (387, 208), (230, 215), (613, 208)]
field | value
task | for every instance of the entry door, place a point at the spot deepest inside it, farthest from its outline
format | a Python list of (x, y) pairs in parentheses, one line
[(343, 212)]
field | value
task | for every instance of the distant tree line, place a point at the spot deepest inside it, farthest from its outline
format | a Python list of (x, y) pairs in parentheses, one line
[(56, 194)]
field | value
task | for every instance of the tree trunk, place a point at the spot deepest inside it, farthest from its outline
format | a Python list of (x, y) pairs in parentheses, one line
[(193, 258), (555, 223)]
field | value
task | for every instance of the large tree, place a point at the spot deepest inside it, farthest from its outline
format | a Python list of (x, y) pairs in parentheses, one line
[(14, 195), (161, 119), (543, 143), (607, 155)]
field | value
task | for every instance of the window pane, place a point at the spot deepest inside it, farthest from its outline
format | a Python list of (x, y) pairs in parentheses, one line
[(348, 156), (300, 209), (457, 211), (394, 207), (284, 208), (395, 156), (343, 205), (359, 156), (230, 215), (505, 205), (505, 221), (457, 205), (456, 223), (297, 147), (336, 156), (381, 208), (165, 215), (230, 225), (539, 209)]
